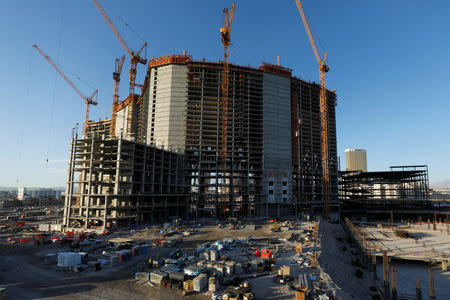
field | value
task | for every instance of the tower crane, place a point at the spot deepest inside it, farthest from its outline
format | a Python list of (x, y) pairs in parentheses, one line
[(116, 77), (88, 101), (135, 59), (225, 32), (323, 68)]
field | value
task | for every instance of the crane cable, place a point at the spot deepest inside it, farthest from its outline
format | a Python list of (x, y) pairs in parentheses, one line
[(52, 107), (130, 28), (20, 135)]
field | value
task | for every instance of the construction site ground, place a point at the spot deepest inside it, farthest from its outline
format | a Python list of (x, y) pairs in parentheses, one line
[(422, 242), (26, 276), (414, 249)]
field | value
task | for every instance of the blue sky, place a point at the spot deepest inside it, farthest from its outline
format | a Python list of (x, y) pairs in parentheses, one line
[(389, 63)]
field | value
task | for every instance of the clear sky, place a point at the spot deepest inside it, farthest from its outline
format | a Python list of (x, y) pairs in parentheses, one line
[(389, 63)]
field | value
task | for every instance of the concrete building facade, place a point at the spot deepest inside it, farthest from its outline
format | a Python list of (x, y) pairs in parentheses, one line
[(117, 182), (38, 193), (272, 166), (277, 163)]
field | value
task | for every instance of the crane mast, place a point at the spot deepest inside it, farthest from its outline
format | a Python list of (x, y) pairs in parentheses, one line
[(225, 32), (323, 68), (116, 77), (135, 59), (88, 101)]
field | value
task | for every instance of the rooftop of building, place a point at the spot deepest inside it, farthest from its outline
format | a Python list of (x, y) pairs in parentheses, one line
[(263, 67), (183, 59), (354, 149)]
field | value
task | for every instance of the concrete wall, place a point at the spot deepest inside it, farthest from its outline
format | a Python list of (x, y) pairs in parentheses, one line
[(167, 106), (121, 122), (277, 138)]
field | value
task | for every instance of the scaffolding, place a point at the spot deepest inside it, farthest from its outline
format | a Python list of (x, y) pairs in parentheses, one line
[(236, 186), (402, 190), (272, 164), (116, 182), (98, 128), (307, 146), (233, 187)]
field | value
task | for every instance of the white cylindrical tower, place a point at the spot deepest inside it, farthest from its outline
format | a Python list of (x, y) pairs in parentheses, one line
[(355, 160)]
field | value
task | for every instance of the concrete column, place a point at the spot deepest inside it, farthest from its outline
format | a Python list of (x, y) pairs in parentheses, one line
[(116, 181), (105, 212), (143, 170), (88, 197), (374, 263), (394, 283), (69, 186), (386, 289), (444, 264), (418, 290), (431, 291)]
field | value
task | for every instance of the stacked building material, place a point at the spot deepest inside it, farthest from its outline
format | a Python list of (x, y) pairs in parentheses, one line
[(212, 284), (142, 276), (68, 259), (238, 268), (178, 276), (194, 270), (188, 285), (200, 282), (214, 255), (157, 276), (229, 267)]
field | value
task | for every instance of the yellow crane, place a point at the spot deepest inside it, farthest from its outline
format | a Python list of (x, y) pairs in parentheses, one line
[(135, 59), (116, 76), (323, 68), (88, 101), (225, 32)]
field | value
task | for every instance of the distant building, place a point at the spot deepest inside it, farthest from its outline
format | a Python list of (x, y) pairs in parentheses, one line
[(21, 193), (440, 194), (355, 160), (38, 193), (401, 192)]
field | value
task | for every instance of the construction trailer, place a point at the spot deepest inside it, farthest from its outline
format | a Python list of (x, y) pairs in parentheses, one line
[(273, 162)]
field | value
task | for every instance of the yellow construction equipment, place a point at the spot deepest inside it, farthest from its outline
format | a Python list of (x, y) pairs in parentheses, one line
[(135, 59), (323, 68), (88, 101), (116, 77), (225, 32)]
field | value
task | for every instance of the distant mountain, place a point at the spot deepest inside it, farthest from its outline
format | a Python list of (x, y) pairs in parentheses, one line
[(444, 184)]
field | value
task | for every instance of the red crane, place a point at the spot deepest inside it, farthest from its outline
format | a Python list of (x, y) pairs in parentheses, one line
[(135, 59), (323, 68), (116, 77), (88, 101), (225, 32)]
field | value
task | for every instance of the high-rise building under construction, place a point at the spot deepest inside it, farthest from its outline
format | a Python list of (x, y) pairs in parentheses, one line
[(272, 165)]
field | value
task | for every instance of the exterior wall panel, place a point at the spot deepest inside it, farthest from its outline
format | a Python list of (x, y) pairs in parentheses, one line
[(277, 138)]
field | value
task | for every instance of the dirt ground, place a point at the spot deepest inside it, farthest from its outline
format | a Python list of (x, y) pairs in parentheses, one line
[(338, 264), (25, 276)]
